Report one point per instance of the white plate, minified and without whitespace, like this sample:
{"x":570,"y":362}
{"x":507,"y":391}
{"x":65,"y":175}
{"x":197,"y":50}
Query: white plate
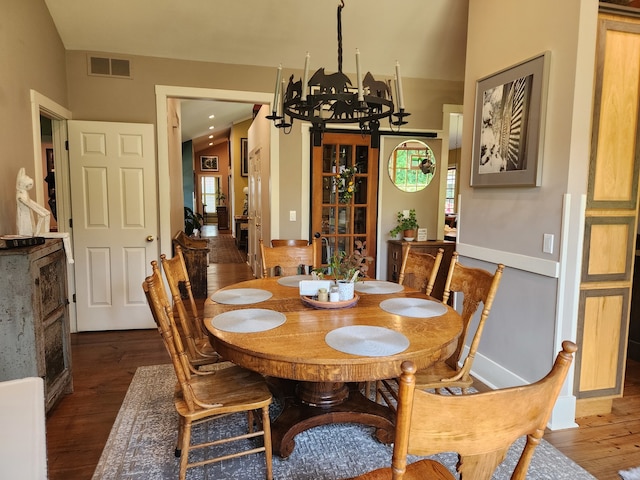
{"x":293,"y":280}
{"x":248,"y":320}
{"x":378,"y":286}
{"x":367,"y":341}
{"x":413,"y":307}
{"x":241,"y":296}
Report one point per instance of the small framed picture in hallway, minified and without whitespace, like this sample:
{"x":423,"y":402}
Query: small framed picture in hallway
{"x":209,"y":163}
{"x":244,"y":158}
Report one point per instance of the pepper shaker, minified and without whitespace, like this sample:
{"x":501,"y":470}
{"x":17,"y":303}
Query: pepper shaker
{"x":323,"y":296}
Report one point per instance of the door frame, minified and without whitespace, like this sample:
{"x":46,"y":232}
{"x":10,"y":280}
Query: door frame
{"x":166,"y":92}
{"x":42,"y":105}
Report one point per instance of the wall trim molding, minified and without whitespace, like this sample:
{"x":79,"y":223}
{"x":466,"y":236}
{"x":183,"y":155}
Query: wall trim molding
{"x":540,"y":266}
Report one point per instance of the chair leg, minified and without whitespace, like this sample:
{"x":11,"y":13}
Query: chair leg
{"x":186,"y":440}
{"x":178,"y":450}
{"x":250,"y":420}
{"x":266,"y":428}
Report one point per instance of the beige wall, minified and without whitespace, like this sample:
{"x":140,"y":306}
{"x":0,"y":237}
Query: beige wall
{"x":31,"y":57}
{"x":526,"y":213}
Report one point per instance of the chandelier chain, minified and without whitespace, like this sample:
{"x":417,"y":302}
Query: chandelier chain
{"x":340,"y":7}
{"x":332,"y":98}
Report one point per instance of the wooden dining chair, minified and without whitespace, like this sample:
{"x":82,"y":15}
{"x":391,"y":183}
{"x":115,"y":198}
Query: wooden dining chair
{"x":199,"y":349}
{"x":210,"y":396}
{"x":476,"y":286}
{"x":419,"y":270}
{"x":287,"y":260}
{"x":480,"y":428}
{"x":280,"y":242}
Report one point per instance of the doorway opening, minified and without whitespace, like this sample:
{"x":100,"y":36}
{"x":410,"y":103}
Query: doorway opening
{"x":166,"y":149}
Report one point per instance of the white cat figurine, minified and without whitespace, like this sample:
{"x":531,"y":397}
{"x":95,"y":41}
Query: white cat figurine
{"x":27,"y":208}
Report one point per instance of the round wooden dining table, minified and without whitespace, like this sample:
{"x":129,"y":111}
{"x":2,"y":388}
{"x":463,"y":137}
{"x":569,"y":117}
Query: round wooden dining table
{"x":318,"y":383}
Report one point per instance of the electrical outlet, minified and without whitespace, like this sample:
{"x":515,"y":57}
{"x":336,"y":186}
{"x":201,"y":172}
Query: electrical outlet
{"x":292,"y":215}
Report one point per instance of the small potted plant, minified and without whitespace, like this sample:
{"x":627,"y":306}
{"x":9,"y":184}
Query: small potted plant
{"x":192,"y":221}
{"x":407,"y":226}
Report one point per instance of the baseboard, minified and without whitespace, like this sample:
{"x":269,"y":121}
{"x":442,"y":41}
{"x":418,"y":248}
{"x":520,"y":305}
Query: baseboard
{"x":585,"y":407}
{"x":496,"y":376}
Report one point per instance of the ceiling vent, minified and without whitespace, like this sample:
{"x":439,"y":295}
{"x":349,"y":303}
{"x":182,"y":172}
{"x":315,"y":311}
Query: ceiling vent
{"x":109,"y":67}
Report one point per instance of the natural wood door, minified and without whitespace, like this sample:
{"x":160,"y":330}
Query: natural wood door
{"x":342,"y":217}
{"x":610,"y":218}
{"x":114,"y":208}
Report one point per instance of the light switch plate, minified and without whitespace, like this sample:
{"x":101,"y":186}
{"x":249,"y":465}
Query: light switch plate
{"x":547,"y":243}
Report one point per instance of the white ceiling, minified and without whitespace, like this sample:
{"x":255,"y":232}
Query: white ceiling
{"x":195,"y":121}
{"x":272,"y":32}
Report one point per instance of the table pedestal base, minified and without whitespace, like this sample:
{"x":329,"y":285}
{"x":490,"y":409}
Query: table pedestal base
{"x":298,"y":415}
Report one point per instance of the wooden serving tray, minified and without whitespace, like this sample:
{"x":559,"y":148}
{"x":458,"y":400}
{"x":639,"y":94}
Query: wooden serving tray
{"x":329,"y":305}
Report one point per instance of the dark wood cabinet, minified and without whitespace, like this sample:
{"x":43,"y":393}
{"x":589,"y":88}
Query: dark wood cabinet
{"x":34,"y":318}
{"x":223,"y":217}
{"x":242,"y":232}
{"x":396,"y":250}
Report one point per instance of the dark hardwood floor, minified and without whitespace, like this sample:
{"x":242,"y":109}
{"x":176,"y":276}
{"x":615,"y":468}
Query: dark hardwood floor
{"x":104,"y":363}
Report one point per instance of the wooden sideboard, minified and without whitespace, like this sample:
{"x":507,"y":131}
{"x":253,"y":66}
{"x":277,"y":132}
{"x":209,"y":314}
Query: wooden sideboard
{"x":396,"y":250}
{"x":223,"y":217}
{"x":242,"y":231}
{"x":34,"y":318}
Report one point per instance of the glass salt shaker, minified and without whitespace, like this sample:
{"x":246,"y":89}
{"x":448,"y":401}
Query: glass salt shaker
{"x":334,"y":296}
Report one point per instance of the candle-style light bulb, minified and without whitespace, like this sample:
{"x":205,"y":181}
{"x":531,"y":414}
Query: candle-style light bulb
{"x":359,"y":77}
{"x":399,"y":87}
{"x":282,"y":98}
{"x":305,"y":77}
{"x":276,"y":94}
{"x":395,"y":84}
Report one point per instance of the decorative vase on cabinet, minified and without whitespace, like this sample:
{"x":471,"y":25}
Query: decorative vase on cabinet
{"x":34,"y":320}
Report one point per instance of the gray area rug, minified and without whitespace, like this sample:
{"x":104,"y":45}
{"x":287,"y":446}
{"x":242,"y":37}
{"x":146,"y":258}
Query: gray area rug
{"x":631,"y":474}
{"x":142,"y":442}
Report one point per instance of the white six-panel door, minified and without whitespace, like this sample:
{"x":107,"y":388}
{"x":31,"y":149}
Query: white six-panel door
{"x":114,"y":212}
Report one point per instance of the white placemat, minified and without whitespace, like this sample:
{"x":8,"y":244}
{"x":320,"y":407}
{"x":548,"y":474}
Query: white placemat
{"x":293,"y":280}
{"x":378,"y":286}
{"x":367,"y":341}
{"x":413,"y":307}
{"x":241,"y":296}
{"x":248,"y":320}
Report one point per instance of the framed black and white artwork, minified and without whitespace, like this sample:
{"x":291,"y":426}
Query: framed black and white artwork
{"x":508,"y":127}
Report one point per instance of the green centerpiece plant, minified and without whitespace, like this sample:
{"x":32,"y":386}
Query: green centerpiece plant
{"x":347,"y":268}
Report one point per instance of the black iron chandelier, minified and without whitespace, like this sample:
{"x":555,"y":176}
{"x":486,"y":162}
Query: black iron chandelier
{"x":333,"y":99}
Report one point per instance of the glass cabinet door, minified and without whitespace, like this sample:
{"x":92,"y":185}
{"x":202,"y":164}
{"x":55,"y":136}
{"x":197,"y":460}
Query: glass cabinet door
{"x":344,"y":195}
